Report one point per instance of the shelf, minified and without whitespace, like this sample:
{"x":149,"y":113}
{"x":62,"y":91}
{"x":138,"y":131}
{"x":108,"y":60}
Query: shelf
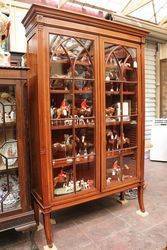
{"x":77,"y":160}
{"x":72,"y":126}
{"x":65,"y":61}
{"x":85,"y":126}
{"x":111,"y":66}
{"x":119,"y":122}
{"x":83,"y":91}
{"x":3,"y":171}
{"x":60,"y":91}
{"x":118,"y":92}
{"x":8,"y":124}
{"x":112,"y":92}
{"x":123,"y":152}
{"x":56,"y":127}
{"x":129,"y":93}
{"x":120,"y":81}
{"x":70,"y":78}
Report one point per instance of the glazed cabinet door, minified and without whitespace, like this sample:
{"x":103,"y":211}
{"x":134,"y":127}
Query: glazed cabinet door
{"x":120,"y":81}
{"x":74,"y":114}
{"x":10,"y":169}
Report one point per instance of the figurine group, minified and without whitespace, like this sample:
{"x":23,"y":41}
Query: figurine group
{"x":64,"y":114}
{"x":114,"y":141}
{"x":64,"y":184}
{"x":117,"y":173}
{"x":65,"y":149}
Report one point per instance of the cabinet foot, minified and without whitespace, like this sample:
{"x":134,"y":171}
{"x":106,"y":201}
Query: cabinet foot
{"x":48,"y":229}
{"x":140,"y":199}
{"x":122,"y":199}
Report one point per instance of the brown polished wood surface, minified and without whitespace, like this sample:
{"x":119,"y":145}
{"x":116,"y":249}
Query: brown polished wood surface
{"x":86,"y":107}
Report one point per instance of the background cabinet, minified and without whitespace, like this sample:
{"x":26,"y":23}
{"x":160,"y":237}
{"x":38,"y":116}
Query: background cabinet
{"x":15,"y":208}
{"x":86,"y":99}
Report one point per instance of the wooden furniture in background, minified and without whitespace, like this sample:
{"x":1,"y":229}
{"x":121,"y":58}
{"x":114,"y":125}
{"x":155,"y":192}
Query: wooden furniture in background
{"x":86,"y":99}
{"x":15,"y":206}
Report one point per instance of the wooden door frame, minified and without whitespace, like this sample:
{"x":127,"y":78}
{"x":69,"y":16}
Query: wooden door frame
{"x":104,"y":39}
{"x":71,"y":33}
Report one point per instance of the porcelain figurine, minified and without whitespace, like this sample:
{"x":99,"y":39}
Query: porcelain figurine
{"x":107,"y":78}
{"x":64,"y":110}
{"x":126,"y":141}
{"x":85,"y":109}
{"x":68,"y":122}
{"x":81,"y":120}
{"x":61,"y":178}
{"x":90,"y":183}
{"x":110,"y":111}
{"x":109,"y":180}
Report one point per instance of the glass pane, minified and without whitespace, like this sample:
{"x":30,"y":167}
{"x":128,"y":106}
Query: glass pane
{"x":85,"y":175}
{"x":121,"y":108}
{"x":63,"y":181}
{"x":129,"y":165}
{"x":113,"y":171}
{"x":72,"y":101}
{"x":9,"y":182}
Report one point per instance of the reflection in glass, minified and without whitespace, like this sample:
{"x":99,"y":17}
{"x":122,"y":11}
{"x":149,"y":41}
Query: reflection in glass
{"x":9,"y":182}
{"x":129,"y":166}
{"x":71,"y":57}
{"x":63,"y":181}
{"x":113,"y":171}
{"x":85,"y":175}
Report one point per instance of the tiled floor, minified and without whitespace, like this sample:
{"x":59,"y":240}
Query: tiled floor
{"x":105,"y":224}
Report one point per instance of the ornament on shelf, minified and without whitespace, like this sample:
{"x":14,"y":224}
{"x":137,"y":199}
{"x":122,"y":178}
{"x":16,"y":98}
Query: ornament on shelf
{"x":126,"y":141}
{"x":109,"y":179}
{"x":85,"y":109}
{"x":107,"y":78}
{"x":68,"y":122}
{"x":116,"y":170}
{"x":81,"y":120}
{"x":62,"y":112}
{"x":110,"y":110}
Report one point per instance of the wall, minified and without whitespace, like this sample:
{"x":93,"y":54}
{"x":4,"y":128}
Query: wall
{"x":17,"y":31}
{"x":150,"y":87}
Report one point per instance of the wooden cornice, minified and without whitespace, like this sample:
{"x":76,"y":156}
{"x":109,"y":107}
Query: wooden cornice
{"x":59,"y":14}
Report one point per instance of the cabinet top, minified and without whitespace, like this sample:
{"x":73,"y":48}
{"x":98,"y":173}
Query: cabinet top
{"x":39,"y":14}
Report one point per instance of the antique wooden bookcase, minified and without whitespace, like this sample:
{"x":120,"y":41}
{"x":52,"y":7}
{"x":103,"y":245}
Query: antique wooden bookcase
{"x":15,"y":205}
{"x":86,"y":99}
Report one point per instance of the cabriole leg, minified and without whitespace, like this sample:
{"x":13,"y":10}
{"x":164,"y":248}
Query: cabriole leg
{"x":48,"y":229}
{"x":140,"y":198}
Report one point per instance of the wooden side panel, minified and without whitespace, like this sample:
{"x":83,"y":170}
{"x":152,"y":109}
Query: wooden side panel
{"x":33,"y":116}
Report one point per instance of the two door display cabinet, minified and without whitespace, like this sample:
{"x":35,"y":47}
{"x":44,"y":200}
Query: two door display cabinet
{"x":15,"y":205}
{"x":86,"y":99}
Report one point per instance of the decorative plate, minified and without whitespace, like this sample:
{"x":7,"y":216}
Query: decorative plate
{"x":9,"y":150}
